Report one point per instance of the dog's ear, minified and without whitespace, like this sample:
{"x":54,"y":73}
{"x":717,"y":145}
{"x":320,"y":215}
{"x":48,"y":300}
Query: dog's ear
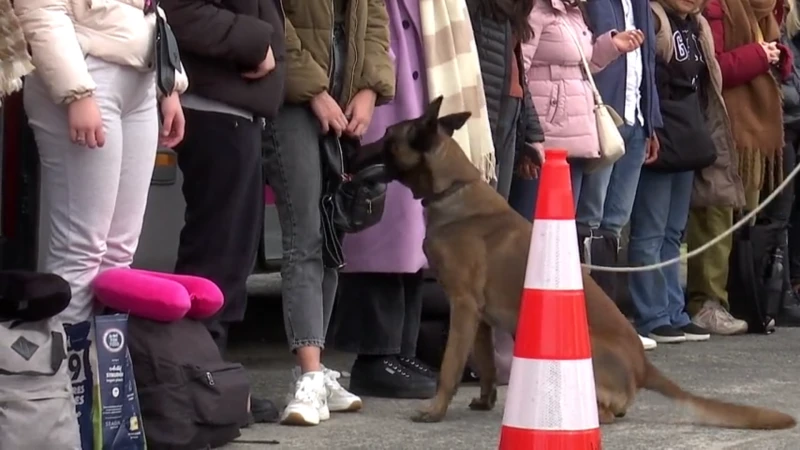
{"x":426,"y":128}
{"x":452,"y":122}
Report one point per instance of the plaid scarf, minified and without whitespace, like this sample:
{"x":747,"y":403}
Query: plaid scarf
{"x":454,"y":72}
{"x":15,"y":61}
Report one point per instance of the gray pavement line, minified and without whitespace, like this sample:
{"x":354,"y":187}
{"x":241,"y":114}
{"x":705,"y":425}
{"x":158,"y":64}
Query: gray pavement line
{"x":708,"y":244}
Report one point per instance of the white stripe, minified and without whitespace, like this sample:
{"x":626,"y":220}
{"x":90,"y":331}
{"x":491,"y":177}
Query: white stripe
{"x":553,"y":261}
{"x":551,"y":395}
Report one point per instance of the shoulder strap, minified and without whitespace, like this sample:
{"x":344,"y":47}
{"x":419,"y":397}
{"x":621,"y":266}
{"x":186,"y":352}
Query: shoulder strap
{"x":586,"y":69}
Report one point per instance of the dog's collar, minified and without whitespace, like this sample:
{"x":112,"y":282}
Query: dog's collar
{"x":439,"y":196}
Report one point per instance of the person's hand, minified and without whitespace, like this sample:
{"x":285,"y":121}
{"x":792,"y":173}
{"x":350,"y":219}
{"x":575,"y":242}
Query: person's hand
{"x":772,"y":51}
{"x":530,"y":161}
{"x":329,"y":113}
{"x":85,"y":123}
{"x":264,"y":68}
{"x":174,"y":123}
{"x":628,"y":41}
{"x":651,"y":147}
{"x":359,"y":110}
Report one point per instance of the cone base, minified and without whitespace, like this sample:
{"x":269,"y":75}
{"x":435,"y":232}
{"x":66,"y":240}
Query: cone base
{"x":512,"y":438}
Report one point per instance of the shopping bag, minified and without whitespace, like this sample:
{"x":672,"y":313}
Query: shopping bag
{"x":106,"y":401}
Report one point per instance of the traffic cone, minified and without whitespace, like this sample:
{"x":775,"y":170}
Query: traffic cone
{"x":551,"y":402}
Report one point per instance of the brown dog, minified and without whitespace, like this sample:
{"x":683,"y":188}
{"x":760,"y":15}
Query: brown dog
{"x":478,"y":247}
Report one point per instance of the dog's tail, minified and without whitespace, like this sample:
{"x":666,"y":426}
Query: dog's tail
{"x":714,"y":412}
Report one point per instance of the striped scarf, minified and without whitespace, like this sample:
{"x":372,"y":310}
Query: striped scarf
{"x":454,"y":72}
{"x":15,"y":61}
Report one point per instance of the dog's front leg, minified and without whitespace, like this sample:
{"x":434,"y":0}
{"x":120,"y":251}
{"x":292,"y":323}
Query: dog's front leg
{"x":463,"y":326}
{"x":483,"y":354}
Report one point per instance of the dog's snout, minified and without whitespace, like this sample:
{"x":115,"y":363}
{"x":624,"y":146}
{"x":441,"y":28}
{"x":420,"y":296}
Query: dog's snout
{"x":367,"y":155}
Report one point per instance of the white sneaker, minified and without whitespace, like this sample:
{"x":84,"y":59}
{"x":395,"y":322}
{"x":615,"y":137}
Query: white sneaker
{"x":339,"y":398}
{"x":309,"y":404}
{"x":648,"y":343}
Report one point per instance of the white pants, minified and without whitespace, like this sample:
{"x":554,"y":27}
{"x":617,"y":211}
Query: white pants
{"x":95,"y":198}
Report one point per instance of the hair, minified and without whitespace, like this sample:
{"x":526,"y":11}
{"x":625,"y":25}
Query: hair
{"x":792,"y":19}
{"x":514,"y":11}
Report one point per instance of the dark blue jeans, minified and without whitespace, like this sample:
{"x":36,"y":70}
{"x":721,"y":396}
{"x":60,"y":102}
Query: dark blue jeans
{"x":523,"y":196}
{"x":658,"y":219}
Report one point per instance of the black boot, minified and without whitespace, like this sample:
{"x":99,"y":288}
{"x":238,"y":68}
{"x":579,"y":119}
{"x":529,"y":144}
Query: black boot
{"x":605,"y":252}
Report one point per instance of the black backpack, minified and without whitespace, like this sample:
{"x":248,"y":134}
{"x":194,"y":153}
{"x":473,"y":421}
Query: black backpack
{"x":191,"y":399}
{"x":756,"y":275}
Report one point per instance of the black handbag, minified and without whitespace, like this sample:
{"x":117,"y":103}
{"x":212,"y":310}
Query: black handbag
{"x":685,"y":139}
{"x":167,"y":56}
{"x":352,"y":201}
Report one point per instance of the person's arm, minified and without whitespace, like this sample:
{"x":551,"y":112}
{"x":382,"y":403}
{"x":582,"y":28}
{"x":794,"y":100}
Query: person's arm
{"x":604,"y":52}
{"x":305,"y":77}
{"x":55,"y":50}
{"x":738,"y":65}
{"x":378,"y":73}
{"x":536,"y":20}
{"x":529,"y":118}
{"x":203,"y":28}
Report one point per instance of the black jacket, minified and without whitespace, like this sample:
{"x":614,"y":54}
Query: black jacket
{"x":791,"y":86}
{"x":494,"y":42}
{"x":220,"y":39}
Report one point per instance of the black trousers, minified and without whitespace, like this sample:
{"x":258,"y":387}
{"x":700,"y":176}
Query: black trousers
{"x":223,"y":186}
{"x":378,"y":313}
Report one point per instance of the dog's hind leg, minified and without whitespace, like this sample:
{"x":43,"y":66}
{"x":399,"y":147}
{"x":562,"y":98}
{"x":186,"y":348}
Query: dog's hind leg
{"x":463,"y":326}
{"x":483,"y":353}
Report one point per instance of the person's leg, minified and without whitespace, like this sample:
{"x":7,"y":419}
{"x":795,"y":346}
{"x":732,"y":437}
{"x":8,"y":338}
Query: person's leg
{"x":505,"y":144}
{"x":780,"y":210}
{"x":79,"y":185}
{"x":139,"y":145}
{"x":680,"y":199}
{"x":223,"y":186}
{"x":708,"y":272}
{"x":624,"y":179}
{"x":294,"y":171}
{"x":371,"y":321}
{"x":648,"y":289}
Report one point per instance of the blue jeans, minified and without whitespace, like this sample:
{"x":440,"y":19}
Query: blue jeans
{"x":658,"y":220}
{"x":606,"y":195}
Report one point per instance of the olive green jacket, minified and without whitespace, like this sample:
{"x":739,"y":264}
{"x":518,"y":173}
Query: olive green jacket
{"x":309,"y":32}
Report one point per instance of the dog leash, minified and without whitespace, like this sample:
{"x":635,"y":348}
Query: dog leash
{"x":742,"y":222}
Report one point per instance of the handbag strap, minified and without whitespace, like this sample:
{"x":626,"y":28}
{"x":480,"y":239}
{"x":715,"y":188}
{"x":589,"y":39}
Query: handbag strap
{"x":598,"y":99}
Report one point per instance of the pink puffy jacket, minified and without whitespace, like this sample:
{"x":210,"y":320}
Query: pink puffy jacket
{"x":562,"y":96}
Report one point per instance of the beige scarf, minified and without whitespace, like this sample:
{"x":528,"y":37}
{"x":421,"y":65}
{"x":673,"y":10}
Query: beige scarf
{"x":454,"y":72}
{"x":754,"y":108}
{"x":15,"y":61}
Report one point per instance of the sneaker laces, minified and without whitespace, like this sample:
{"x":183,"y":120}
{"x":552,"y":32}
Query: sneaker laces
{"x":305,"y":391}
{"x":332,"y":379}
{"x":414,"y":362}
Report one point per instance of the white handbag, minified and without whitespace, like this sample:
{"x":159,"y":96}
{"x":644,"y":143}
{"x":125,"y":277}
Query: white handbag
{"x":612,"y":146}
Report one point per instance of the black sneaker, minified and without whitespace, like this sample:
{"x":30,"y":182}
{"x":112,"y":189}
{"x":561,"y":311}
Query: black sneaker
{"x":386,"y":377}
{"x":695,"y":333}
{"x":789,"y":316}
{"x":667,"y":335}
{"x":417,"y":366}
{"x":262,"y":411}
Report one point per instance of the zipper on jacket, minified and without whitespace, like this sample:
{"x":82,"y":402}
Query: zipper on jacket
{"x":330,"y":47}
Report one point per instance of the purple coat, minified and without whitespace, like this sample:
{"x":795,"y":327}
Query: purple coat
{"x":395,"y":244}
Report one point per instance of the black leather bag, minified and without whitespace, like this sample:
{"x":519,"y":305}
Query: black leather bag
{"x":685,"y":139}
{"x":167,"y":56}
{"x":351,"y":201}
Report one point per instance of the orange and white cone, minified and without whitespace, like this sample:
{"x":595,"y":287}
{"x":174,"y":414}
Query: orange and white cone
{"x":551,"y":403}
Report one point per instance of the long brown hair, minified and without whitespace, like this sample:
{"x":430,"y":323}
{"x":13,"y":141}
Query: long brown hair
{"x":514,"y":11}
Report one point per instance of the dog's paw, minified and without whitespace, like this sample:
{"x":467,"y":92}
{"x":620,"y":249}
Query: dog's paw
{"x":426,"y":416}
{"x":484,"y":402}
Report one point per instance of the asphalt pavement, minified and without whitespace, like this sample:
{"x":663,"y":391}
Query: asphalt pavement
{"x":754,"y":369}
